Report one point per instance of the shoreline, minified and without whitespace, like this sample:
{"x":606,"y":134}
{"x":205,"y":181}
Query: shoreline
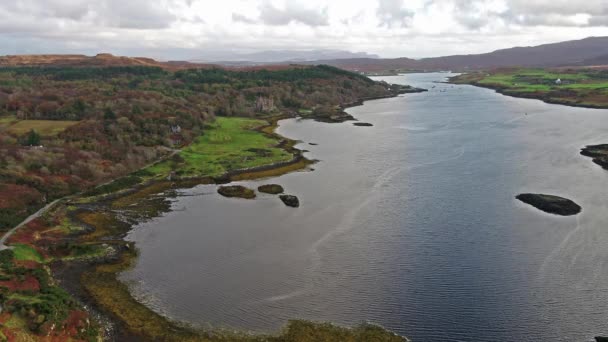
{"x":504,"y":91}
{"x":97,"y":285}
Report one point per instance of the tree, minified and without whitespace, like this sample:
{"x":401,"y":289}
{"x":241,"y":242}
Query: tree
{"x":79,"y":107}
{"x":109,"y":114}
{"x":32,"y":138}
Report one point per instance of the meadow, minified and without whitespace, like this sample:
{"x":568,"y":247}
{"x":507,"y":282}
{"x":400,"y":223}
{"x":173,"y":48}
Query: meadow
{"x":228,"y":144}
{"x":576,"y":87}
{"x":43,"y":127}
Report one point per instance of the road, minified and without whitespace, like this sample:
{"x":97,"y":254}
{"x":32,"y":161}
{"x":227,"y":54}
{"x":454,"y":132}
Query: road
{"x":48,"y":206}
{"x":26,"y":221}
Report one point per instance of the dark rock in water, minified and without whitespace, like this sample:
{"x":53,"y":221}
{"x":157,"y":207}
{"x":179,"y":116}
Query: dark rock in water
{"x":313,"y":144}
{"x":551,"y":204}
{"x":273,"y":189}
{"x":601,"y":339}
{"x":290,"y":200}
{"x":236,"y":191}
{"x":599,"y":153}
{"x":362,"y":124}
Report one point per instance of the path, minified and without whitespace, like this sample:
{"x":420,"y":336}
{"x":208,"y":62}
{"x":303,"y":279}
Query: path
{"x":48,"y":206}
{"x":26,"y":221}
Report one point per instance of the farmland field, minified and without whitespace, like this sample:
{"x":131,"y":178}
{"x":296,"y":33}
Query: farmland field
{"x":43,"y":127}
{"x":576,"y":87}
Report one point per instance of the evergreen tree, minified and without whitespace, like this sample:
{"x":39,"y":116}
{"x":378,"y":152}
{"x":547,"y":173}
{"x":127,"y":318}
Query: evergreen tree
{"x":32,"y":139}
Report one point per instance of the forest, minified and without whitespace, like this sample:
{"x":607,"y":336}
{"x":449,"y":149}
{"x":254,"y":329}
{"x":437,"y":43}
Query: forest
{"x":65,"y":129}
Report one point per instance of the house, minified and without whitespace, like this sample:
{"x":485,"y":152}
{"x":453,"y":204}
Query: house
{"x":176,"y":129}
{"x":264,"y":104}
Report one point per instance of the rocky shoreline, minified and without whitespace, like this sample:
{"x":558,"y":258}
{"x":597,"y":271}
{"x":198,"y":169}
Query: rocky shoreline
{"x":598,"y":153}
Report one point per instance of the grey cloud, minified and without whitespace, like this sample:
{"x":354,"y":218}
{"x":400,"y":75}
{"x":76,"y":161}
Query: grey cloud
{"x":293,"y":12}
{"x":136,"y":14}
{"x":64,"y":9}
{"x":555,"y":12}
{"x":243,"y":19}
{"x":543,"y":19}
{"x":600,"y":20}
{"x":468,"y":14}
{"x":561,"y":7}
{"x":392,"y":13}
{"x":552,"y":13}
{"x":132,"y":14}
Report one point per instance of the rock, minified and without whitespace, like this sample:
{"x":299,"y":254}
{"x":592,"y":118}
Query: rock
{"x":290,"y":200}
{"x":599,"y":153}
{"x":551,"y":204}
{"x":313,"y":144}
{"x":272,"y":189}
{"x":601,"y":339}
{"x":362,"y":124}
{"x":236,"y":191}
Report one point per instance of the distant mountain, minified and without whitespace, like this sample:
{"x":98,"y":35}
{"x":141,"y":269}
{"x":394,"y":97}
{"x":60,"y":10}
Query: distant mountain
{"x":599,"y":60}
{"x":109,"y":60}
{"x":102,"y":59}
{"x":280,"y":56}
{"x":588,"y":51}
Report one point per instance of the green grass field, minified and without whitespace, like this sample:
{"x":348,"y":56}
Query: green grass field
{"x":6,"y":121}
{"x":25,"y":252}
{"x":230,"y":144}
{"x":43,"y":127}
{"x":579,"y":87}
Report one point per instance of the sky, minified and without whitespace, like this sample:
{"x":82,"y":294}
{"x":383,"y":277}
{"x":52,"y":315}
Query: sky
{"x":204,"y":29}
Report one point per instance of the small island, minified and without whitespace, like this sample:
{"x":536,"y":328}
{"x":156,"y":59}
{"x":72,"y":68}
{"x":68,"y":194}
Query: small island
{"x":599,"y":153}
{"x":551,"y":204}
{"x":290,"y":200}
{"x":362,"y":124}
{"x":236,"y":191}
{"x":273,"y":189}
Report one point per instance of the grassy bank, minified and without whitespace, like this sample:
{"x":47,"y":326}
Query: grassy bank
{"x":576,"y":87}
{"x":228,"y":144}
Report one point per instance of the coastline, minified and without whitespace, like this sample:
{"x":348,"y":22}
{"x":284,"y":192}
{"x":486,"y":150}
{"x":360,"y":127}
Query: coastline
{"x":97,"y":285}
{"x":505,"y":91}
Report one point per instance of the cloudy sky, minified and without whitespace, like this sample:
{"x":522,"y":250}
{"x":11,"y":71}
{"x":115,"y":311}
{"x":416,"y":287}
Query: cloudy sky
{"x":187,"y":29}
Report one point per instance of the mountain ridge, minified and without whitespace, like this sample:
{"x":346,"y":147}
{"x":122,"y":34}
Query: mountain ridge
{"x":567,"y":53}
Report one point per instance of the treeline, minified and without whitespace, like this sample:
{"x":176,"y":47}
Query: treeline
{"x":264,"y":76}
{"x":126,"y":117}
{"x":84,"y":73}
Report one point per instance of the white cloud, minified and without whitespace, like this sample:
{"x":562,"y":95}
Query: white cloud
{"x":393,"y":13}
{"x":292,"y":12}
{"x":175,"y":29}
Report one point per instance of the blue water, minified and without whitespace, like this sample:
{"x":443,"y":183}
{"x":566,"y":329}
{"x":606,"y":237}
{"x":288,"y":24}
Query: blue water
{"x":411,"y":224}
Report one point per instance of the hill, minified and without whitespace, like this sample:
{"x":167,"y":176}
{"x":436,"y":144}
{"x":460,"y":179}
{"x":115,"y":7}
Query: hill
{"x":277,"y":56}
{"x":588,"y":51}
{"x":100,"y":60}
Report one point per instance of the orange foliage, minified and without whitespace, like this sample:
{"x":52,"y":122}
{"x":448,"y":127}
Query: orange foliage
{"x":30,"y":283}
